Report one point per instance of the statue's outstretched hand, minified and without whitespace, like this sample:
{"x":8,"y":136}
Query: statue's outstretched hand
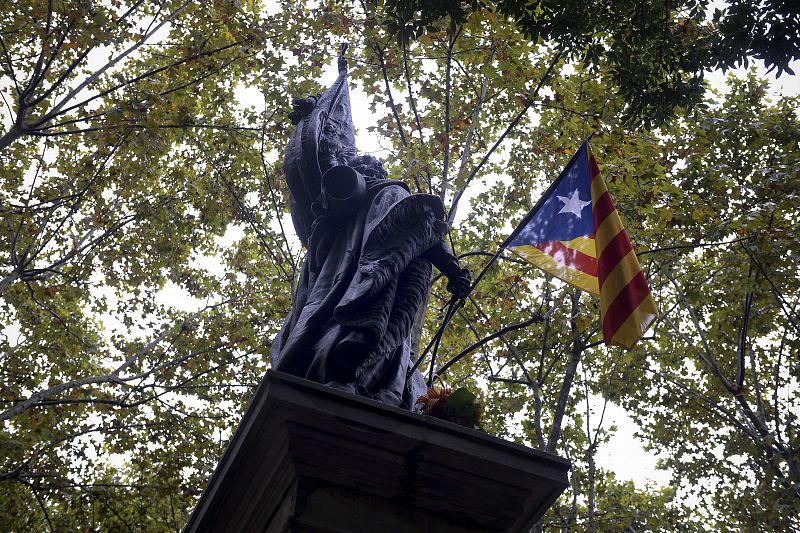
{"x":459,"y":283}
{"x":459,"y":279}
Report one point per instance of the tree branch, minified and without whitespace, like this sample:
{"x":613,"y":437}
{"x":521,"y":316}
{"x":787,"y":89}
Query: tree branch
{"x":517,"y":118}
{"x":465,"y":154}
{"x":110,"y":64}
{"x":488,"y":338}
{"x":379,"y":52}
{"x":112,"y":377}
{"x":569,"y":376}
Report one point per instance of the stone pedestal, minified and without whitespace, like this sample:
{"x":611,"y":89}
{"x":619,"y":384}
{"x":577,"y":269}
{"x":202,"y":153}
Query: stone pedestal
{"x":308,"y":458}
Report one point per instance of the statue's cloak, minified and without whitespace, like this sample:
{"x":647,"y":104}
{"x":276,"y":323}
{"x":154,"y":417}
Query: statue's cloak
{"x":364,"y":276}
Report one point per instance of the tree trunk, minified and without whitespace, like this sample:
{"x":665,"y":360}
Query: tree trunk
{"x":9,"y":279}
{"x":590,"y":525}
{"x":569,"y":376}
{"x":10,"y":136}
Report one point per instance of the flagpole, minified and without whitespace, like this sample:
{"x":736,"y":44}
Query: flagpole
{"x":455,"y":304}
{"x":502,"y":247}
{"x":453,"y":307}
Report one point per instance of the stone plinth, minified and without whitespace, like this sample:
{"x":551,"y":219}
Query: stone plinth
{"x":308,"y":458}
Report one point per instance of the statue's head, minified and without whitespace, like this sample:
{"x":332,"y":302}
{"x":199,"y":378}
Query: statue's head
{"x":370,"y":167}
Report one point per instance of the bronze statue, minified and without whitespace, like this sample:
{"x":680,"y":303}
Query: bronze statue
{"x":370,"y":244}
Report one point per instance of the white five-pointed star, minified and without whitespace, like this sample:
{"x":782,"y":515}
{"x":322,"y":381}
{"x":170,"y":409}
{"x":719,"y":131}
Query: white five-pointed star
{"x":573,"y":204}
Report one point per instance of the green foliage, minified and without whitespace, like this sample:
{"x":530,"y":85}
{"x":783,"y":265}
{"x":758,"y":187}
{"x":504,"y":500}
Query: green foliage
{"x":767,"y":31}
{"x":655,"y":52}
{"x":461,"y":406}
{"x":127,"y":155}
{"x":725,"y":355}
{"x":146,"y":267}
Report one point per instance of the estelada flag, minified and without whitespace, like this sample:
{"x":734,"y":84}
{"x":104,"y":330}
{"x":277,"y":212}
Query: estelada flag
{"x":574,"y":233}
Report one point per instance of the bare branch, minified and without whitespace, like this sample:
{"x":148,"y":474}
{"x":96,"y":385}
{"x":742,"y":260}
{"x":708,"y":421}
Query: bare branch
{"x":451,"y":41}
{"x":412,"y":101}
{"x":707,"y":356}
{"x":58,"y":111}
{"x":513,"y":124}
{"x":488,"y":338}
{"x":379,"y":52}
{"x":451,"y":215}
{"x":35,"y":492}
{"x":274,"y":200}
{"x":474,"y":331}
{"x":569,"y":376}
{"x":247,"y":213}
{"x":694,"y":245}
{"x":742,"y":348}
{"x":113,"y":377}
{"x":110,"y":64}
{"x":40,"y":71}
{"x":10,"y":66}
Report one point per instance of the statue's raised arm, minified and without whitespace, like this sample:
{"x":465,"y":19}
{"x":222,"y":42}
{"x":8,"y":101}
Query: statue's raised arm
{"x":370,"y":244}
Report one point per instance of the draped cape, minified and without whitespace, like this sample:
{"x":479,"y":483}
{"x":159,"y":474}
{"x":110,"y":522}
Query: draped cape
{"x":363,"y":278}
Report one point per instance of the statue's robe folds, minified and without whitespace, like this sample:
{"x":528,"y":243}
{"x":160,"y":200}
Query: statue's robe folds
{"x":363,"y":279}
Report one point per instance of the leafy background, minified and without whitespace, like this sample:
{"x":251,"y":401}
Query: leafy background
{"x":147,"y":261}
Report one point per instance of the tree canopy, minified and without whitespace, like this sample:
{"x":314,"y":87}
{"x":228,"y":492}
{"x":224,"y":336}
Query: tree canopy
{"x":147,"y":261}
{"x":656,"y":52}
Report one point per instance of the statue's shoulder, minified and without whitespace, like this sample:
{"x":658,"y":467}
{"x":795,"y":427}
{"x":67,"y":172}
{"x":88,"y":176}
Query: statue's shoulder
{"x":392,"y":183}
{"x":374,"y":187}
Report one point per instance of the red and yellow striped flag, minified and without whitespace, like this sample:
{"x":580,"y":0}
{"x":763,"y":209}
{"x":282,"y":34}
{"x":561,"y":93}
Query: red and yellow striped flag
{"x":575,"y":234}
